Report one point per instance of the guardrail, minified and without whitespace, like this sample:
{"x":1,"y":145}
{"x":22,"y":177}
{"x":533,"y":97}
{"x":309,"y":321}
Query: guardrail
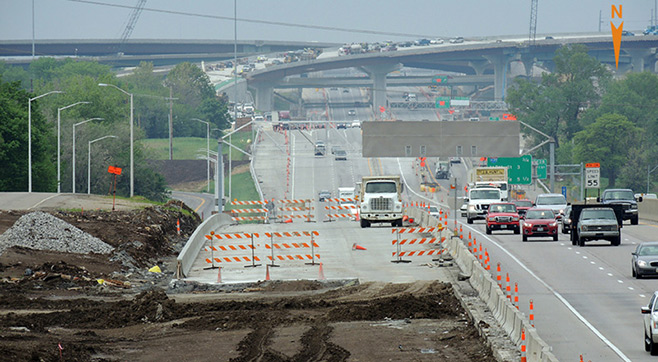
{"x":510,"y":319}
{"x":197,"y":240}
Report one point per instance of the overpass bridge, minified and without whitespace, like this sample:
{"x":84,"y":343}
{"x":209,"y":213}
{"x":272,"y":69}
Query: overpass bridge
{"x":476,"y":58}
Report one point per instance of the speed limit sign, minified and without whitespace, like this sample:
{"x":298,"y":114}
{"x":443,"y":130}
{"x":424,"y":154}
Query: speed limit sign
{"x":592,"y":176}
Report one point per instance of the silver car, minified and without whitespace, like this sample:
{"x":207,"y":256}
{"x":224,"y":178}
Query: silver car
{"x":555,"y":202}
{"x":598,"y":223}
{"x":650,"y":314}
{"x":644,"y":260}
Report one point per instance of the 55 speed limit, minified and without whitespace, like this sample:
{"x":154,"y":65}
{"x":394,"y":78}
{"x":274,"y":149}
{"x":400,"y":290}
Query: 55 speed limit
{"x":592,"y":176}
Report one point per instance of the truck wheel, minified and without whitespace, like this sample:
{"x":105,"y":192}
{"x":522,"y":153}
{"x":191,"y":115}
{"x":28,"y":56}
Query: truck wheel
{"x":488,"y":230}
{"x":573,"y":238}
{"x":517,"y":230}
{"x":399,"y":222}
{"x":555,"y":237}
{"x":581,"y":242}
{"x":647,"y":346}
{"x":365,"y":223}
{"x":469,"y":220}
{"x":653,"y":347}
{"x":635,"y":220}
{"x":616,"y":241}
{"x":525,"y":238}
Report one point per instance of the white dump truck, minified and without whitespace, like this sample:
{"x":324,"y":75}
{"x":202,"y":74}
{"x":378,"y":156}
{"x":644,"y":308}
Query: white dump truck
{"x":380,"y":200}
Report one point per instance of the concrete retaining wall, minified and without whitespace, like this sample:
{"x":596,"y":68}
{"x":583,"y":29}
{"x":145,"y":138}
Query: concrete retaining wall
{"x":195,"y":243}
{"x":510,"y":318}
{"x":648,"y":209}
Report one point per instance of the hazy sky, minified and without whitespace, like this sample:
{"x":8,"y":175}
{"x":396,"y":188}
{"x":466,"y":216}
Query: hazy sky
{"x":66,"y":19}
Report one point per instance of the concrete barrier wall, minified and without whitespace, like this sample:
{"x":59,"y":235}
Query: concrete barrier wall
{"x":195,"y":242}
{"x":648,"y":209}
{"x":511,"y":319}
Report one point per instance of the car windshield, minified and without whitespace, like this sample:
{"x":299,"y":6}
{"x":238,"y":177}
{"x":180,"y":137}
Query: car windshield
{"x":648,"y":250}
{"x":383,"y":187}
{"x":341,"y":153}
{"x":540,"y":214}
{"x":523,"y":203}
{"x":551,"y":200}
{"x":485,"y":194}
{"x":434,"y":209}
{"x":597,"y":214}
{"x":619,"y":195}
{"x":502,"y":208}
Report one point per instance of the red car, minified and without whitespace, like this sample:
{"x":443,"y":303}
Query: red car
{"x":502,"y":216}
{"x":522,"y":206}
{"x":539,"y":222}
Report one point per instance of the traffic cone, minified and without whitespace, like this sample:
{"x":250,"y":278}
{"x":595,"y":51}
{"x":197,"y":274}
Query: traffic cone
{"x":321,"y":274}
{"x":358,"y":217}
{"x":356,"y":246}
{"x":267,"y":272}
{"x":288,"y":221}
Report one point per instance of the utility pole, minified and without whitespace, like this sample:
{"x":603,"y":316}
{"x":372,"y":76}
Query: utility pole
{"x":171,"y":123}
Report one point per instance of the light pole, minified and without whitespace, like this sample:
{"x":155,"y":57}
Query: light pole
{"x":29,"y":138}
{"x":648,"y":175}
{"x":89,"y":161}
{"x":207,"y":149}
{"x":73,"y":167}
{"x":59,"y":136}
{"x":132,"y":153}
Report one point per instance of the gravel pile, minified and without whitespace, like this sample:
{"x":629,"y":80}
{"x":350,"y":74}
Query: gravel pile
{"x":42,"y":231}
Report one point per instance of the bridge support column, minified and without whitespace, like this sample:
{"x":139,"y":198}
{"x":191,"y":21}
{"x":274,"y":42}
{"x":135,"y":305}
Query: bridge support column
{"x":640,"y":58}
{"x":264,"y":96}
{"x":479,"y":66}
{"x":378,"y":74}
{"x":500,"y":63}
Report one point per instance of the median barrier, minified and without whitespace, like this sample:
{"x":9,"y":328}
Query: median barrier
{"x":648,"y":209}
{"x":194,"y":244}
{"x":508,"y":317}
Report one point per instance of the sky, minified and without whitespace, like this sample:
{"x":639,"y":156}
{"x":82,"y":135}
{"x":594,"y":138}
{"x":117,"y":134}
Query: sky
{"x":342,"y":21}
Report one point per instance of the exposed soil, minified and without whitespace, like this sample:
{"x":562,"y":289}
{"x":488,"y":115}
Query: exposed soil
{"x":59,"y":302}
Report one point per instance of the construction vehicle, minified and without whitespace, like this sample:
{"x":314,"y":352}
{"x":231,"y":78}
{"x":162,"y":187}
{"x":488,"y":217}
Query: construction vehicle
{"x":380,"y":200}
{"x":490,"y":177}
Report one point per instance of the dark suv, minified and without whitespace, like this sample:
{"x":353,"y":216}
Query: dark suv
{"x":624,"y":197}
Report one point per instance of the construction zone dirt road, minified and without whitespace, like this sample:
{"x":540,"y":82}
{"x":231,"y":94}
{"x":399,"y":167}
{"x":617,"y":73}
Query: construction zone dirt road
{"x":67,"y":306}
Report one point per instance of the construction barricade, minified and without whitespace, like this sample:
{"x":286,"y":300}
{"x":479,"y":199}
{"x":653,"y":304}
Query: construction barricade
{"x":345,"y":208}
{"x":248,"y":211}
{"x":426,"y":237}
{"x":289,"y":210}
{"x":233,"y":248}
{"x":291,"y":251}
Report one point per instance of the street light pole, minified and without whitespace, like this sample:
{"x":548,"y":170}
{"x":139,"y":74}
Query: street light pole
{"x":132,"y":153}
{"x":89,"y":162}
{"x":73,"y":171}
{"x":59,"y":136}
{"x":207,"y":150}
{"x":29,"y":137}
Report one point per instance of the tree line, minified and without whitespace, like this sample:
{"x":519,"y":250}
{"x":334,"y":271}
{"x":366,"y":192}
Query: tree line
{"x":593,"y":116}
{"x":194,"y":97}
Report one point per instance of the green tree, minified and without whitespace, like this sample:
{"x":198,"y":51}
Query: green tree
{"x":555,"y":105}
{"x":14,"y":143}
{"x":608,"y":141}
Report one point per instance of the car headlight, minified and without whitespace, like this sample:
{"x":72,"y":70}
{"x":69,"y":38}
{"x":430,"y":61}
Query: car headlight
{"x":553,"y":224}
{"x":561,"y":211}
{"x":515,"y":218}
{"x":471,"y":207}
{"x":642,"y":263}
{"x":527,"y":225}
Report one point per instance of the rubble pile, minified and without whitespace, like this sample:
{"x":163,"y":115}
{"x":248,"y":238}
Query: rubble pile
{"x":42,"y":231}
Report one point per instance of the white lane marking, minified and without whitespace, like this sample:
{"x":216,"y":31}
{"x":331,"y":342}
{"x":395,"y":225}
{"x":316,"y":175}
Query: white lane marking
{"x":642,"y":296}
{"x":569,"y":248}
{"x":558,"y":296}
{"x":620,"y":281}
{"x":631,"y":288}
{"x":609,"y":274}
{"x":561,"y":244}
{"x":42,"y":201}
{"x":578,"y":252}
{"x":584,"y":256}
{"x":591,"y":262}
{"x":600,"y":268}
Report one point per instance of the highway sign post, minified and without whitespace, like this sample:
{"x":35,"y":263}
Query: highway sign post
{"x":564,"y":192}
{"x":519,"y":169}
{"x":592,"y":175}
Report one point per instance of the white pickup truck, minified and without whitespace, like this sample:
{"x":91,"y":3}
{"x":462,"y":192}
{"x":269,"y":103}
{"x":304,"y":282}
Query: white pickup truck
{"x":478,"y":202}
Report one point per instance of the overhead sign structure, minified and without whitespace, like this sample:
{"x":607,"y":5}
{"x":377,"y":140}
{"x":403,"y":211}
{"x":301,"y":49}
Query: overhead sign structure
{"x":592,"y":175}
{"x":442,"y":102}
{"x":440,"y":139}
{"x":519,"y":169}
{"x":440,"y":79}
{"x":460,"y":101}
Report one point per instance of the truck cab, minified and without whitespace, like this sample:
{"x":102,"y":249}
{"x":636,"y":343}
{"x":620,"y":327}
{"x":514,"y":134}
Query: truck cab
{"x":478,"y":202}
{"x":381,"y":200}
{"x":626,"y":199}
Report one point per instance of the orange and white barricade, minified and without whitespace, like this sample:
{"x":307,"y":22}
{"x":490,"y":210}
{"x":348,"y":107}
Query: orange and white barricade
{"x":233,"y":248}
{"x":249,"y":211}
{"x":413,"y":241}
{"x":289,"y":210}
{"x":344,"y":208}
{"x":292,"y":250}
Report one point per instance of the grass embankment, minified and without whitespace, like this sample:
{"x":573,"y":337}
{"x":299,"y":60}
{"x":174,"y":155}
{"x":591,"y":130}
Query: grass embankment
{"x":191,"y":148}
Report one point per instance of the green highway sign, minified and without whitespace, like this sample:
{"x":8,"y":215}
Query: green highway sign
{"x":442,"y":102}
{"x":440,"y":79}
{"x":494,"y":118}
{"x":541,"y":168}
{"x":519,"y":169}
